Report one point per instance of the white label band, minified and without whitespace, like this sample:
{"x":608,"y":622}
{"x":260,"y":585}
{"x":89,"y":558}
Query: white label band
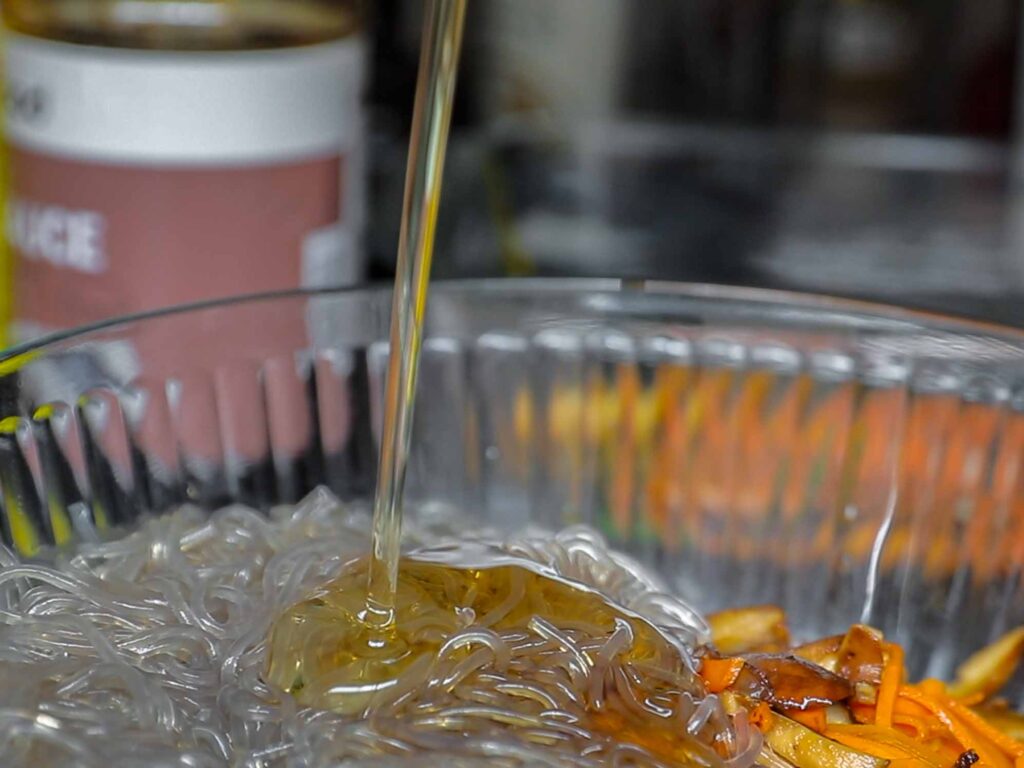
{"x":183,"y":108}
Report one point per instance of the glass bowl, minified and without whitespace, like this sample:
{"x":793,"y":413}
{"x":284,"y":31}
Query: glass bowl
{"x":849,"y":462}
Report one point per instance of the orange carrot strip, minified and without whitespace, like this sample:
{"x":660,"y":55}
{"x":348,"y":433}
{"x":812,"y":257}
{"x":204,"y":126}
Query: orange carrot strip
{"x":977,"y":723}
{"x":948,"y":749}
{"x":905,"y":706}
{"x":932,"y":687}
{"x":888,"y":690}
{"x":761,"y":717}
{"x":814,"y":718}
{"x":919,"y":726}
{"x":719,"y":674}
{"x":972,"y":700}
{"x":863,"y":713}
{"x":990,"y":753}
{"x":886,"y":743}
{"x":868,"y":743}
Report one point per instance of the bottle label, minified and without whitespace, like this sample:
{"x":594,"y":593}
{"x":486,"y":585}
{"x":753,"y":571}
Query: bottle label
{"x":142,"y":179}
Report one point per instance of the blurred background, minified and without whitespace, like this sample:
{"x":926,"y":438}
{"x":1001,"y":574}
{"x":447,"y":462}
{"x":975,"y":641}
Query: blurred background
{"x":855,"y":147}
{"x":865,"y":148}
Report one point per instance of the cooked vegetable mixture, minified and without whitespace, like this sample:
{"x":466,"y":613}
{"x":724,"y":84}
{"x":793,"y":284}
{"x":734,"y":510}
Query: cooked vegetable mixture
{"x":845,"y":701}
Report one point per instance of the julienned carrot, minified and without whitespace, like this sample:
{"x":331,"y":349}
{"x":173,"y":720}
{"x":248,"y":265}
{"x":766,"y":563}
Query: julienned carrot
{"x":977,"y":723}
{"x":932,"y":687}
{"x":761,"y":717}
{"x":888,"y":690}
{"x":814,"y":718}
{"x":719,"y":674}
{"x":886,"y":743}
{"x":920,"y":726}
{"x":990,"y":753}
{"x":917,"y":721}
{"x":973,"y":700}
{"x":863,"y":713}
{"x":905,"y":706}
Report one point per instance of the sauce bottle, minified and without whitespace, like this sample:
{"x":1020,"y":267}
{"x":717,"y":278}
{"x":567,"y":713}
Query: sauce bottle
{"x":170,"y":151}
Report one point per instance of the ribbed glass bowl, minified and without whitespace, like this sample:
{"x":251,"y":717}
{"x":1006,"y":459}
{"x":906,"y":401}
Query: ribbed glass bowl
{"x":846,"y":461}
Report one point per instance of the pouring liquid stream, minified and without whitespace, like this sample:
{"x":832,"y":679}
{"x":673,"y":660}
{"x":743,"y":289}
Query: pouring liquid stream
{"x":364,"y":650}
{"x":372,"y":634}
{"x":435,"y":94}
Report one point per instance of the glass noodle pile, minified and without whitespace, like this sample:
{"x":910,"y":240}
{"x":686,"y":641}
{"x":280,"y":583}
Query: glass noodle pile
{"x":150,"y":651}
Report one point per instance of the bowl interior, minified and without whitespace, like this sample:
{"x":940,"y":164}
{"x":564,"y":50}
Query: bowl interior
{"x":848,"y":462}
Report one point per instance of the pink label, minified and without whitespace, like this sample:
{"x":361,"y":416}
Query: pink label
{"x":94,"y":240}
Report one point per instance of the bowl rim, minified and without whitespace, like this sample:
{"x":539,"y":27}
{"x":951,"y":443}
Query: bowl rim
{"x":509,"y":286}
